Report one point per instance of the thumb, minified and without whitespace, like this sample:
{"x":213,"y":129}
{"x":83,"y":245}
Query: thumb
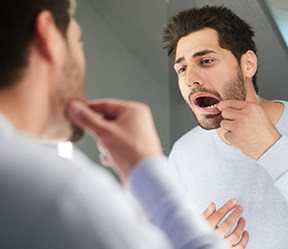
{"x":81,"y":115}
{"x":209,"y":211}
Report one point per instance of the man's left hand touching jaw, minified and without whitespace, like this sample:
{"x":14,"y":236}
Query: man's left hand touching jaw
{"x":247,"y":127}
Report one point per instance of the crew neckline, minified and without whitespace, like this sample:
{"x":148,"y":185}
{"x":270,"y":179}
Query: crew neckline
{"x":6,"y":127}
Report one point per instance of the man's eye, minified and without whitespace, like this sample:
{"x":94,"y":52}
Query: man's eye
{"x":181,"y":70}
{"x":206,"y":62}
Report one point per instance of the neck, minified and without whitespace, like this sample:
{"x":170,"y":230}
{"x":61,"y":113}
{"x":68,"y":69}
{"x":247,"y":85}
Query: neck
{"x":273,"y":110}
{"x":25,"y":105}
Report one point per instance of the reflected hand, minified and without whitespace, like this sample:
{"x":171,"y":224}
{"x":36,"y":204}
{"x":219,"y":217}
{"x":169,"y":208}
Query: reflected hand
{"x":124,"y":129}
{"x":236,"y":238}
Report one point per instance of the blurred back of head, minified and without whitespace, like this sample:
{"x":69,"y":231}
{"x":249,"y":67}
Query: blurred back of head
{"x":17,"y":22}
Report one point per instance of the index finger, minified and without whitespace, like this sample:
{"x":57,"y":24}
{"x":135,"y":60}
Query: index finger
{"x":233,"y":103}
{"x":81,"y":115}
{"x":110,"y":108}
{"x":219,"y":214}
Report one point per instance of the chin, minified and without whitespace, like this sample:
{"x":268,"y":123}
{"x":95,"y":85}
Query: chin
{"x":76,"y":134}
{"x":71,"y":133}
{"x":206,"y":126}
{"x":210,"y":122}
{"x":63,"y":133}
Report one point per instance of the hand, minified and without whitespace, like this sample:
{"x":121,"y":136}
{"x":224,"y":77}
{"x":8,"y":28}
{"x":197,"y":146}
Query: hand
{"x":237,"y":238}
{"x":124,"y":129}
{"x":247,"y":127}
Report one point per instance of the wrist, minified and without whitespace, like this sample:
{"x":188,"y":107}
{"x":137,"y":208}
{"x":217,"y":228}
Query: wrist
{"x":140,"y":157}
{"x":274,"y":137}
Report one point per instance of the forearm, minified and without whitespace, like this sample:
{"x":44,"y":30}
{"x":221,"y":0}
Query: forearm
{"x":275,"y":162}
{"x":165,"y":208}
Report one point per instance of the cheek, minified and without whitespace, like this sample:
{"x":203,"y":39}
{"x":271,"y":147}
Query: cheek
{"x":81,"y":58}
{"x":184,"y":89}
{"x":217,"y":81}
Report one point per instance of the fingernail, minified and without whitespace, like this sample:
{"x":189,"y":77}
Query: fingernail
{"x":234,"y":202}
{"x":210,"y":206}
{"x":75,"y":107}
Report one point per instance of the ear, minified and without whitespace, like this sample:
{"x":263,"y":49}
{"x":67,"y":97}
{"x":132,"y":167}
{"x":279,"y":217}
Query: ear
{"x":249,"y":64}
{"x":48,"y":38}
{"x":249,"y":67}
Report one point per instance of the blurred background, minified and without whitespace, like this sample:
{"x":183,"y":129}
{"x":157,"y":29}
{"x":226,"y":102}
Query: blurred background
{"x":125,"y":59}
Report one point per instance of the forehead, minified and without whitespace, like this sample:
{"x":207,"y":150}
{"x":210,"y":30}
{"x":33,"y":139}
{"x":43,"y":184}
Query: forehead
{"x":205,"y":39}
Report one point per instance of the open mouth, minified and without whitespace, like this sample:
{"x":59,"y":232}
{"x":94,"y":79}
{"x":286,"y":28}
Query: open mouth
{"x":206,"y":102}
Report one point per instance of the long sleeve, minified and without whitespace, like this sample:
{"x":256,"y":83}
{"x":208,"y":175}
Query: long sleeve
{"x":165,"y":207}
{"x":51,"y":202}
{"x":275,"y":161}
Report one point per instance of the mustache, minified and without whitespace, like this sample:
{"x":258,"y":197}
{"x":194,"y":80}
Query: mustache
{"x":204,"y":90}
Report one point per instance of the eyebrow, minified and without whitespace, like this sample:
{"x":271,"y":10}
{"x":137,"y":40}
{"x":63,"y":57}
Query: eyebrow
{"x":198,"y":54}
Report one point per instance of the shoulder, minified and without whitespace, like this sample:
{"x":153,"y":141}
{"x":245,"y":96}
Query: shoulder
{"x":38,"y":187}
{"x":281,"y":125}
{"x":285,"y":104}
{"x":34,"y":165}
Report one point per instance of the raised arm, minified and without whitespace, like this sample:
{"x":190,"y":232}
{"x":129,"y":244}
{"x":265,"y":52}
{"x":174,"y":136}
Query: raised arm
{"x":127,"y":133}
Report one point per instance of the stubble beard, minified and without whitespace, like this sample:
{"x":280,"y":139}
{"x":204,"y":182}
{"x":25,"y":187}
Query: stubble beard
{"x":234,"y":89}
{"x":74,"y":90}
{"x":76,"y":133}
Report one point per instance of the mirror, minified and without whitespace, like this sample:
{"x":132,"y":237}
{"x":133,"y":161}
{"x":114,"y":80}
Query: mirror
{"x":125,"y":59}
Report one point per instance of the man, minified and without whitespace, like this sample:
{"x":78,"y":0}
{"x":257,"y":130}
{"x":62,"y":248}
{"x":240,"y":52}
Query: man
{"x":239,"y":149}
{"x":51,"y":202}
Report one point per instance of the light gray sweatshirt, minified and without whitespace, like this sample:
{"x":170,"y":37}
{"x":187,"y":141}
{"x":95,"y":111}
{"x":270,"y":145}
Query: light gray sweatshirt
{"x":209,"y":170}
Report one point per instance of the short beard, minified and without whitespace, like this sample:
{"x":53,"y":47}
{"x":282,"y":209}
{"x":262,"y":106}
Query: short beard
{"x":234,"y":89}
{"x":73,"y":91}
{"x":77,"y":134}
{"x":212,"y":121}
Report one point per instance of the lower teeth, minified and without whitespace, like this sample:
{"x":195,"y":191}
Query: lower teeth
{"x":211,"y":106}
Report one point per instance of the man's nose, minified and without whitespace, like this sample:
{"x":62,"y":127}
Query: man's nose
{"x":193,"y":78}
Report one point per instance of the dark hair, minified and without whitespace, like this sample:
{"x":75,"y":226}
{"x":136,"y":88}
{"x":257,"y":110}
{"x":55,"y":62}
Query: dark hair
{"x":17,"y":23}
{"x":234,"y":33}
